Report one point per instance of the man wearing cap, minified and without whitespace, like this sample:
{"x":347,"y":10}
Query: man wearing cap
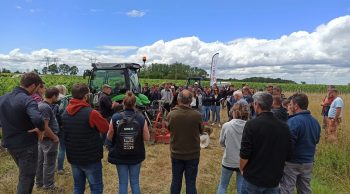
{"x":106,"y":105}
{"x":105,"y":102}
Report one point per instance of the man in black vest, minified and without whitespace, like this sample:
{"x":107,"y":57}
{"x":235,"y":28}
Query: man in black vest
{"x":82,"y":127}
{"x":19,"y":117}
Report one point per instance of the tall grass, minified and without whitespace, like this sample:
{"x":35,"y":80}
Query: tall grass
{"x":331,"y":172}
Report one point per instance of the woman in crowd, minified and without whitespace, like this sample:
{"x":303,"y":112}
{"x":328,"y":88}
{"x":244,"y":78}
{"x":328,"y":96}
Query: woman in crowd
{"x":207,"y":100}
{"x":38,"y":96}
{"x":195,"y":102}
{"x":127,"y":131}
{"x":230,"y":139}
{"x":62,"y":105}
{"x":217,"y":97}
{"x":200,"y":100}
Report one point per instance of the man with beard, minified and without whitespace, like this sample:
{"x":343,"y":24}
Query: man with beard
{"x":82,"y":127}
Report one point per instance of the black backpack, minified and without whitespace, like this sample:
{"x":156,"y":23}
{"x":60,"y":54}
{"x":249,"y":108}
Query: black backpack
{"x":128,"y":135}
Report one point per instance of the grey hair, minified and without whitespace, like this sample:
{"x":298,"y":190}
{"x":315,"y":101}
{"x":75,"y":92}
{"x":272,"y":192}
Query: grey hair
{"x":238,"y":93}
{"x":264,"y":100}
{"x":183,"y":98}
{"x":62,"y":89}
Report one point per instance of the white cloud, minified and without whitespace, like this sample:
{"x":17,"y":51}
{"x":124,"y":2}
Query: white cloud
{"x":18,"y":7}
{"x":34,"y":10}
{"x":95,"y":10}
{"x":136,"y":13}
{"x":118,"y":49}
{"x":321,"y":56}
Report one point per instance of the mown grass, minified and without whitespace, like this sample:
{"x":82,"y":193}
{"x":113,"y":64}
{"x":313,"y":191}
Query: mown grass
{"x":331,"y":170}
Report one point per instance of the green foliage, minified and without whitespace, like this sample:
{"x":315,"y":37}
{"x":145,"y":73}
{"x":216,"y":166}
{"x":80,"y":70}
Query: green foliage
{"x":73,"y":70}
{"x":4,"y":70}
{"x":9,"y":81}
{"x":267,"y":80}
{"x":64,"y":69}
{"x":173,"y":71}
{"x":44,"y":70}
{"x":53,"y":69}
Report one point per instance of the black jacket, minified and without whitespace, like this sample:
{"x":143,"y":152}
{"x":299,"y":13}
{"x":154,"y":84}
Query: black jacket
{"x":19,"y":113}
{"x":207,"y":99}
{"x":217,"y":99}
{"x":280,"y":113}
{"x":105,"y":105}
{"x":266,"y":144}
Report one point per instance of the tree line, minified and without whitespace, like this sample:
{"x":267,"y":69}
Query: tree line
{"x":262,"y":80}
{"x":53,"y":69}
{"x":176,"y":71}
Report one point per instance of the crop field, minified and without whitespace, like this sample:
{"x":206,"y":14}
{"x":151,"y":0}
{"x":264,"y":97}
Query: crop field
{"x":331,"y":172}
{"x":9,"y":81}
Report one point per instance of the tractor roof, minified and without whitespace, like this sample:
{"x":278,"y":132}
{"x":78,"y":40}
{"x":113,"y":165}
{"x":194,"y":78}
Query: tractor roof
{"x":195,"y":78}
{"x":116,"y":66}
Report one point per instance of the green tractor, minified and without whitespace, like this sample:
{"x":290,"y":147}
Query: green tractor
{"x":121,"y":77}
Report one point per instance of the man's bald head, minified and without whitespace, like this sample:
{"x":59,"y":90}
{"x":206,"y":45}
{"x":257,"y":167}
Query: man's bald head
{"x":184,"y":97}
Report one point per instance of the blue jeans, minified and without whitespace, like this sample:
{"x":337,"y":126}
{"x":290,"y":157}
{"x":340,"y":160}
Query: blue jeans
{"x":206,"y":112}
{"x":61,"y":153}
{"x":124,"y":171}
{"x":225,"y":180}
{"x":91,"y":172}
{"x":190,"y":167}
{"x":248,"y":188}
{"x":216,"y":114}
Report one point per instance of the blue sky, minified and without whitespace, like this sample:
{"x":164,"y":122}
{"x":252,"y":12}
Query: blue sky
{"x":35,"y":24}
{"x":301,"y":40}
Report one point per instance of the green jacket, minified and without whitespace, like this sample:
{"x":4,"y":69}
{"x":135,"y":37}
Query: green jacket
{"x":185,"y":125}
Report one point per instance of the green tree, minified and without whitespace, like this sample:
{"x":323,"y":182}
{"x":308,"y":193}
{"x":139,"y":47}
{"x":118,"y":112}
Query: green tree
{"x":64,"y":69}
{"x":36,"y":71}
{"x":73,"y":70}
{"x":44,"y":70}
{"x":4,"y":70}
{"x":53,"y":69}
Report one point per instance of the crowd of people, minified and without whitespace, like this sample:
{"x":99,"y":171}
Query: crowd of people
{"x":269,"y":140}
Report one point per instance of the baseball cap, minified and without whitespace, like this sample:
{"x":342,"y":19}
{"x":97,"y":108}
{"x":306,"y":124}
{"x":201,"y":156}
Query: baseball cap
{"x":106,"y":86}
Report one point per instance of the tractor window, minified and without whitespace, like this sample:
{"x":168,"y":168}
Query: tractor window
{"x":98,"y":80}
{"x":134,"y":81}
{"x":116,"y":79}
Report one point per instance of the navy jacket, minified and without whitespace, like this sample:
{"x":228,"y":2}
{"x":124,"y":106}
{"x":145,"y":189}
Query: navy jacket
{"x":305,"y":131}
{"x":207,"y":99}
{"x":19,"y":113}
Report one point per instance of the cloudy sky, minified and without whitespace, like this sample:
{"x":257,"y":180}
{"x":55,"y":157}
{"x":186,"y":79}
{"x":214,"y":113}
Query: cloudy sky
{"x":292,"y":39}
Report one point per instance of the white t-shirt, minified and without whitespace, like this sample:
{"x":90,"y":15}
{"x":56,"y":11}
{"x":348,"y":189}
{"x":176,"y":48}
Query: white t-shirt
{"x":337,"y":103}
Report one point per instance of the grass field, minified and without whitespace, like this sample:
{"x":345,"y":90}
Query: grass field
{"x":331,"y":173}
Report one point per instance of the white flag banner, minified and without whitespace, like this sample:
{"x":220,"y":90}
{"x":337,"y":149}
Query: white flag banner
{"x":214,"y":61}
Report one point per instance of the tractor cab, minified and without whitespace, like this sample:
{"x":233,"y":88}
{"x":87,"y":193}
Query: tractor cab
{"x":192,"y":80}
{"x":121,"y":77}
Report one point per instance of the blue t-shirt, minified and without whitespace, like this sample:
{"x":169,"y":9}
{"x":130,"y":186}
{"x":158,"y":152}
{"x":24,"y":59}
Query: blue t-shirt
{"x":47,"y":113}
{"x":337,"y":103}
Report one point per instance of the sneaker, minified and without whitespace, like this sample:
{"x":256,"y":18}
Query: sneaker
{"x":53,"y":189}
{"x":212,"y":124}
{"x":60,"y":172}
